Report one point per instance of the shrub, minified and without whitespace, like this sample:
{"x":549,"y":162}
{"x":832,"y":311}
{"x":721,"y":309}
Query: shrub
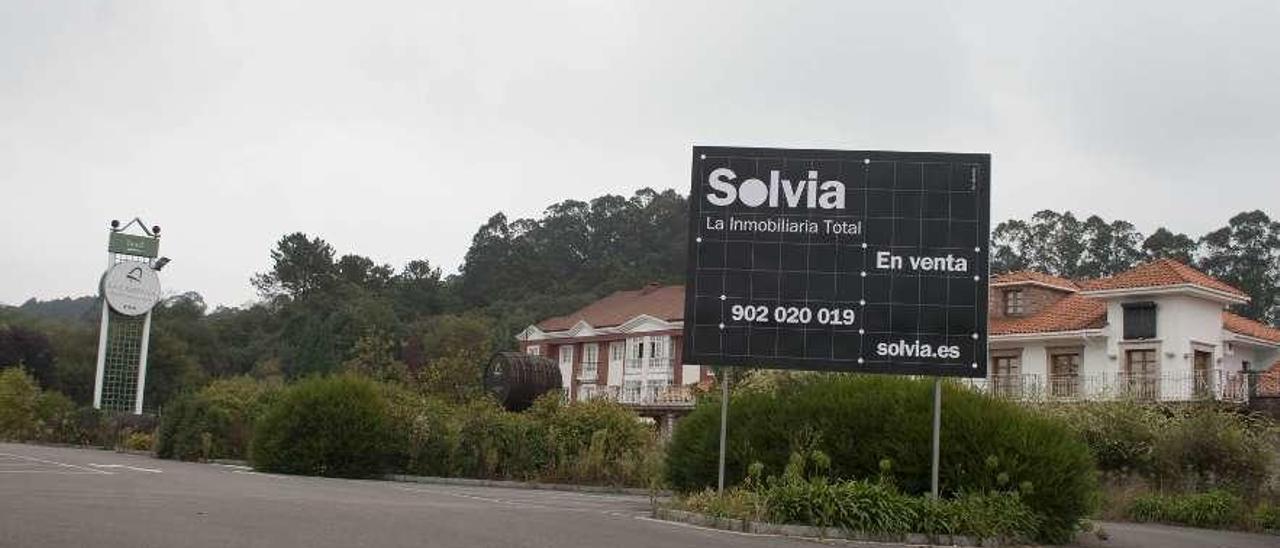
{"x":215,"y":422}
{"x":859,"y":421}
{"x":187,"y":430}
{"x":19,"y":399}
{"x":1214,"y":509}
{"x":1121,"y":434}
{"x":238,"y":401}
{"x":428,"y":426}
{"x":56,"y":418}
{"x":1209,"y":448}
{"x":1266,"y":517}
{"x":496,"y":444}
{"x":140,"y":441}
{"x":326,"y":426}
{"x":865,"y":506}
{"x":596,"y":441}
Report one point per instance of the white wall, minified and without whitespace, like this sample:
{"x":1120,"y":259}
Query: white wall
{"x":690,"y":374}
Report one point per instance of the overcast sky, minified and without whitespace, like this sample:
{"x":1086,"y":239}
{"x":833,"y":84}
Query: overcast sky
{"x":394,"y":130}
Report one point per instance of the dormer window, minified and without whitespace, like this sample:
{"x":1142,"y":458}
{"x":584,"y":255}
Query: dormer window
{"x":1139,"y":320}
{"x":1013,"y":302}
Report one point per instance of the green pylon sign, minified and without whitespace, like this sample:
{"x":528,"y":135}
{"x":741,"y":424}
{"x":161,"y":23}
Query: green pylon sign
{"x":130,"y":288}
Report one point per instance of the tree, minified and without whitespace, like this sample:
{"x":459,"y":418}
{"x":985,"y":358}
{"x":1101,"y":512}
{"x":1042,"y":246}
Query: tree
{"x":456,"y":349}
{"x":1246,"y":254}
{"x":1164,"y":244}
{"x":419,"y":291}
{"x":1059,"y":244}
{"x":19,"y":397}
{"x":300,"y":266}
{"x":28,"y":348}
{"x":1111,"y":248}
{"x":578,"y":248}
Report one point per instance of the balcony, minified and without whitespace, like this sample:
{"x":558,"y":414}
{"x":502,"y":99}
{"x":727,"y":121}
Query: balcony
{"x":650,"y":368}
{"x":1230,"y":386}
{"x":679,"y":396}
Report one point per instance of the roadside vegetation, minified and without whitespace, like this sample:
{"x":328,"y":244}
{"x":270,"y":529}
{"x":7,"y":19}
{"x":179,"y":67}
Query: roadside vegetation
{"x":1203,"y":465}
{"x":873,"y":427}
{"x":30,"y":413}
{"x":806,"y":494}
{"x":341,"y":348}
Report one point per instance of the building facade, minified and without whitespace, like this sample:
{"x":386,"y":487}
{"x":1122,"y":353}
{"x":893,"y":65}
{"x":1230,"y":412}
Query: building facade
{"x":626,"y":346}
{"x":1158,"y":332}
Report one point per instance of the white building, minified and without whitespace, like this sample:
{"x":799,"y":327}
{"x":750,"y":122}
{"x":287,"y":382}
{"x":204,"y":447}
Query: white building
{"x":1160,"y":331}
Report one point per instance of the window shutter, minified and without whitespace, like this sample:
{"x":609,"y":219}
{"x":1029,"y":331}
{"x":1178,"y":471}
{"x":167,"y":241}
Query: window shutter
{"x":1139,"y":320}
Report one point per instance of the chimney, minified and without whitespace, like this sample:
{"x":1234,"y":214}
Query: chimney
{"x":649,"y":288}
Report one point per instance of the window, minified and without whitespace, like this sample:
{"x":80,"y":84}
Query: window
{"x":590,"y":362}
{"x":1141,"y":369}
{"x":1202,"y":363}
{"x":1139,"y":320}
{"x":566,"y":357}
{"x":1013,"y":305}
{"x":1064,"y":373}
{"x":1006,"y":374}
{"x":533,"y":350}
{"x":617,"y":350}
{"x":635,"y":355}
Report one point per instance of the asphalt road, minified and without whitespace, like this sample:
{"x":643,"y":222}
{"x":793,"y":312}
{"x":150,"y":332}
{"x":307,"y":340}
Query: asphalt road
{"x":54,"y":497}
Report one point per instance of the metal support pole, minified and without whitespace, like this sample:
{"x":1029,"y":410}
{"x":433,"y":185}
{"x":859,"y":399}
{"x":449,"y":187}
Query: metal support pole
{"x":142,"y":365}
{"x":724,"y":424}
{"x":937,"y":433}
{"x":101,"y":366}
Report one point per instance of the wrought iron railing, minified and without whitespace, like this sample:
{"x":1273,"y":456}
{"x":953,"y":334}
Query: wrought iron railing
{"x":1213,"y":384}
{"x":650,"y":367}
{"x":640,"y":395}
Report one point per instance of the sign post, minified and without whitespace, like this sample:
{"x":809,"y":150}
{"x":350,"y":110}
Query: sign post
{"x":724,"y":425}
{"x":937,"y":436}
{"x":130,"y":288}
{"x":849,"y":261}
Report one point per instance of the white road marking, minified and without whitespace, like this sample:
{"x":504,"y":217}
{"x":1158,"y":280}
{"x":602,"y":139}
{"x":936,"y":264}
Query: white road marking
{"x":55,"y":463}
{"x":126,"y":467}
{"x":522,"y":503}
{"x":53,"y":472}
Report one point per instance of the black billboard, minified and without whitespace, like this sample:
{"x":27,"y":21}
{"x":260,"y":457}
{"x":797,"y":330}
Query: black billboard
{"x":859,"y":261}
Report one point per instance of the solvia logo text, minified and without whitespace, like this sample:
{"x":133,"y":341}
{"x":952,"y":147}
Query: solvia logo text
{"x":777,"y":192}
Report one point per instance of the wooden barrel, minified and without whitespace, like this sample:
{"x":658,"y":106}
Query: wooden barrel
{"x":517,"y":379}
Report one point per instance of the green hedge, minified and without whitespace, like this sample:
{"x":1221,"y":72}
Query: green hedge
{"x":215,"y":422}
{"x":860,"y":421}
{"x":596,"y":442}
{"x":327,"y":426}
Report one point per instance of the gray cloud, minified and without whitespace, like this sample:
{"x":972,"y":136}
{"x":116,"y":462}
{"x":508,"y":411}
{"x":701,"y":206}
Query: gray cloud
{"x":395,"y":130}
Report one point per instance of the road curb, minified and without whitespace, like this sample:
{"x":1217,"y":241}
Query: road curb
{"x":531,"y":485}
{"x":806,"y":531}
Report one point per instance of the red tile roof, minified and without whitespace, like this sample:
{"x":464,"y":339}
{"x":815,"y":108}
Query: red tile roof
{"x":663,"y":302}
{"x":1159,"y":273}
{"x":1071,"y":313}
{"x":1031,"y":276}
{"x":1244,"y":326}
